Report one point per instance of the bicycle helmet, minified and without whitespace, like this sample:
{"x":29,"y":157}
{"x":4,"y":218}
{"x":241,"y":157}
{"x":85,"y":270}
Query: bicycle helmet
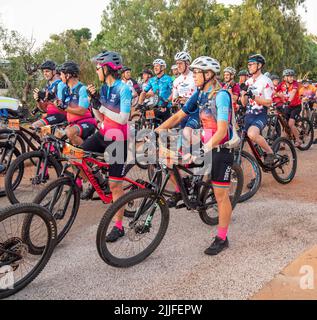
{"x":257,"y":58}
{"x":243,"y":73}
{"x":230,"y":70}
{"x":275,"y":77}
{"x":206,"y":63}
{"x":288,"y":73}
{"x":110,"y":59}
{"x":174,"y":67}
{"x":125,"y":68}
{"x":70,"y":67}
{"x":161,"y":62}
{"x":147,"y":71}
{"x":183,"y":56}
{"x":49,"y":64}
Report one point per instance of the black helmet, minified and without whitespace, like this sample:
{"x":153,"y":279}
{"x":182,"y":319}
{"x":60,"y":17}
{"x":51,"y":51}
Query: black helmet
{"x":147,"y":71}
{"x":125,"y":68}
{"x":243,"y":73}
{"x":49,"y":64}
{"x":70,"y":67}
{"x":257,"y":58}
{"x":110,"y":59}
{"x":275,"y":77}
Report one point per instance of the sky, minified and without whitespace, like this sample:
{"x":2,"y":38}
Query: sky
{"x":31,"y":17}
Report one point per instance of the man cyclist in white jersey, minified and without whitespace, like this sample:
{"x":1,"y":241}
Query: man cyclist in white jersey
{"x":257,"y":95}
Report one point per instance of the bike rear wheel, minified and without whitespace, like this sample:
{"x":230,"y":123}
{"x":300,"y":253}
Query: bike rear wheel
{"x":142,"y":236}
{"x":306,"y":133}
{"x":209,"y":215}
{"x":287,"y":157}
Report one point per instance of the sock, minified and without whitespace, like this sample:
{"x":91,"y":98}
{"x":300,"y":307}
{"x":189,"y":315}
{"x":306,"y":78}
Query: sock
{"x":119,"y":225}
{"x":177,"y":189}
{"x":46,"y":171}
{"x":79,"y":183}
{"x":222,"y":233}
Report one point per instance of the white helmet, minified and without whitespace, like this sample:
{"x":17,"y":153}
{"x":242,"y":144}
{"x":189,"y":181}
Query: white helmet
{"x":230,"y":70}
{"x":183,"y":56}
{"x":174,"y":67}
{"x":161,"y":62}
{"x":206,"y":63}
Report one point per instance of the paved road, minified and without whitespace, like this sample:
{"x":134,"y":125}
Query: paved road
{"x":267,"y":233}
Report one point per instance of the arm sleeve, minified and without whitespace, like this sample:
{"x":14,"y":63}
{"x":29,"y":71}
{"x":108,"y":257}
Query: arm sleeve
{"x":223,"y":103}
{"x":83,"y":98}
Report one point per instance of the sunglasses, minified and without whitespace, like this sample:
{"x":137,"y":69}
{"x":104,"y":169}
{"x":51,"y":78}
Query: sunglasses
{"x":197,"y":71}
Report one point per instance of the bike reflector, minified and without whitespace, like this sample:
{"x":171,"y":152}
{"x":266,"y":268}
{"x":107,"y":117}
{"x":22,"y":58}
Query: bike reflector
{"x":14,"y":124}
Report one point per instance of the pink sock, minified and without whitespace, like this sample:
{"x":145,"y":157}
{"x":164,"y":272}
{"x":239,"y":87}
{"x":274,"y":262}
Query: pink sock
{"x":79,"y":183}
{"x":177,"y":189}
{"x":222,"y":233}
{"x":119,"y":224}
{"x":46,"y":171}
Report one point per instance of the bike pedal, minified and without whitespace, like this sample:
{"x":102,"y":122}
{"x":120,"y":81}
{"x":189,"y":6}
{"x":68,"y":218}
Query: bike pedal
{"x":181,"y":206}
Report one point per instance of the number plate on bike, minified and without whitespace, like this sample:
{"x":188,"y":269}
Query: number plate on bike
{"x":71,"y":152}
{"x":14,"y":124}
{"x":150,"y":114}
{"x":45,"y":131}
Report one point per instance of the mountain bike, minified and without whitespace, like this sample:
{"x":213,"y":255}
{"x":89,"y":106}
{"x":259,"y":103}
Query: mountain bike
{"x":145,"y":230}
{"x":62,"y":196}
{"x":277,"y":124}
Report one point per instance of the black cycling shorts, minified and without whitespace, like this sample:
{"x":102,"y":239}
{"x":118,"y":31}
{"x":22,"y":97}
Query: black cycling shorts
{"x":54,"y":119}
{"x":293,"y":112}
{"x":222,"y":162}
{"x":97,"y":143}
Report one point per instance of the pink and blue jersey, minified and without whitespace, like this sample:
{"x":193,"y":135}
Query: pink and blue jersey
{"x":211,"y":110}
{"x":116,"y":98}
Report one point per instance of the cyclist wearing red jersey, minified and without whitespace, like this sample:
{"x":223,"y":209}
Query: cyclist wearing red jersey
{"x":230,"y":85}
{"x":289,"y":90}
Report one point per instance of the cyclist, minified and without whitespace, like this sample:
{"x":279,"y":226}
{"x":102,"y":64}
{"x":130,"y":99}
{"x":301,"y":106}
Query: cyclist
{"x":230,"y":85}
{"x":175,"y":72}
{"x":161,"y":85}
{"x":146,"y":74}
{"x":308,"y":92}
{"x":112,"y":107}
{"x":73,"y":99}
{"x":183,"y":88}
{"x":289,"y":90}
{"x":278,"y":99}
{"x":243,"y":76}
{"x":214,"y":105}
{"x":257,"y":97}
{"x":45,"y":98}
{"x":134,"y":86}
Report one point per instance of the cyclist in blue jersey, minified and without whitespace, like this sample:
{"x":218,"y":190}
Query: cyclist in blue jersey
{"x":215,"y":111}
{"x":45,"y":98}
{"x":112,"y":106}
{"x":162,"y":85}
{"x":73,"y":99}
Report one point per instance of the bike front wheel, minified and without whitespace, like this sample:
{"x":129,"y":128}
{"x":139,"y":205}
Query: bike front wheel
{"x":142,"y":233}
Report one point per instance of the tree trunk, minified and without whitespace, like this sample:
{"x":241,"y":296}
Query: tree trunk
{"x":6,"y":80}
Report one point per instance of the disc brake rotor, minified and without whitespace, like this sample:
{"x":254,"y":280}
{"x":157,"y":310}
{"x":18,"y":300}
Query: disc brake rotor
{"x":16,"y":251}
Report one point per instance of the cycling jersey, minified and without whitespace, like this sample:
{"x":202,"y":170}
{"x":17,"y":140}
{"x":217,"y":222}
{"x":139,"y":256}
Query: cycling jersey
{"x":52,"y":88}
{"x":261,"y":87}
{"x":162,"y":87}
{"x":76,"y":96}
{"x":278,"y":101}
{"x":184,"y":86}
{"x":116,"y":98}
{"x":235,"y":91}
{"x":211,"y":110}
{"x":150,"y":100}
{"x":309,"y":92}
{"x":286,"y":90}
